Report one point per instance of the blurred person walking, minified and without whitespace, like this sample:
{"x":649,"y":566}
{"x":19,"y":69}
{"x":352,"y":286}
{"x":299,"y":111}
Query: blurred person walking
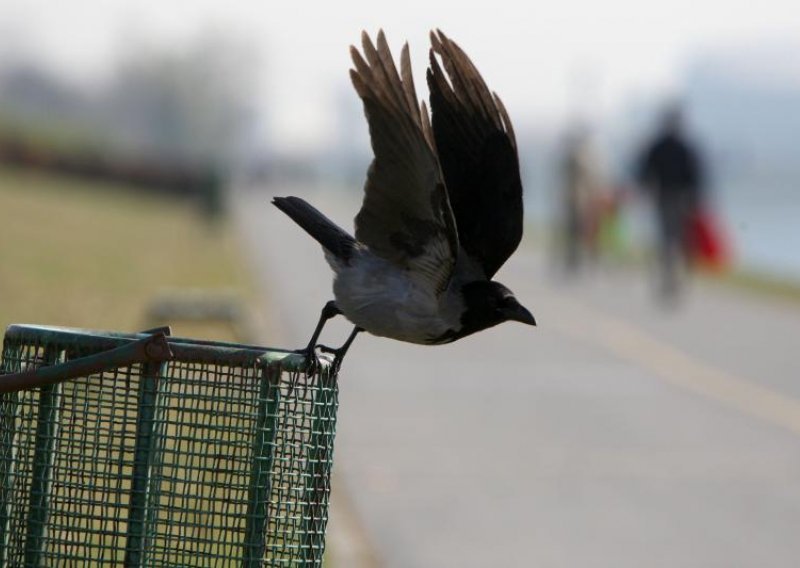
{"x":580,"y":197}
{"x":671,"y":170}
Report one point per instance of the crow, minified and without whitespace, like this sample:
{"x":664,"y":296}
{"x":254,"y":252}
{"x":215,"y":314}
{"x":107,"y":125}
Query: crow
{"x":442,"y":208}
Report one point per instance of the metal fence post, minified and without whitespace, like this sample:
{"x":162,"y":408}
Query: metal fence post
{"x":8,"y":415}
{"x":140,"y":509}
{"x":8,"y":404}
{"x":44,"y":454}
{"x":263,"y":457}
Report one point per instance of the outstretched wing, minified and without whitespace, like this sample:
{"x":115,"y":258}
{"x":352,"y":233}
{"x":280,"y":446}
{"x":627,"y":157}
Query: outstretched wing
{"x":405,"y":217}
{"x":478,"y":155}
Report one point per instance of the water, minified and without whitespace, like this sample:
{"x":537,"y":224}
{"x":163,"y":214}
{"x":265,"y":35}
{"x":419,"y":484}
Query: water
{"x":763,"y":220}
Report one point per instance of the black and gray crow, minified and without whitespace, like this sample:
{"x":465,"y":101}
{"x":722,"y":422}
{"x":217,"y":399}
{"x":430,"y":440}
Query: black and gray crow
{"x":442,"y":207}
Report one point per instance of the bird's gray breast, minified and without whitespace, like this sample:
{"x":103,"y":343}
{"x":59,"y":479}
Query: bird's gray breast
{"x":387,"y":300}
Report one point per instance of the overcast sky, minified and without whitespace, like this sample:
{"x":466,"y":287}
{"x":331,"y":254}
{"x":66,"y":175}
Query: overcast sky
{"x":545,"y":59}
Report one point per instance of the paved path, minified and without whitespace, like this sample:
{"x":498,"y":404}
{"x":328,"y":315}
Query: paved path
{"x":614,"y":435}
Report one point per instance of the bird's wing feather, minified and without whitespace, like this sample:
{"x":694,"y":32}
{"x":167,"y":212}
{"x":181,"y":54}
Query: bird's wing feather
{"x":406,"y":216}
{"x":477,"y":151}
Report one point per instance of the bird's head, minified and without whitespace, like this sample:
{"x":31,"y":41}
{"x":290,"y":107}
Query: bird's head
{"x":488,"y":303}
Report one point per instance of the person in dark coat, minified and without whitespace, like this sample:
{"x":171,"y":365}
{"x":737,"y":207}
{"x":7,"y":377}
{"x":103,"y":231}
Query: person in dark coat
{"x":672,"y":171}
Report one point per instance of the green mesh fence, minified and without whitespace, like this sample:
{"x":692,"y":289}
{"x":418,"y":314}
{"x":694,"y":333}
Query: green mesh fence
{"x":219,"y":456}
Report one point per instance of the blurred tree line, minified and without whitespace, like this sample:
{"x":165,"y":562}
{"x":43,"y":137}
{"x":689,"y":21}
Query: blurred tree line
{"x":173,"y":119}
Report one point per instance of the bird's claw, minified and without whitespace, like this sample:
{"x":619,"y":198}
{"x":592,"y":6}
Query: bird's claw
{"x":312,"y":359}
{"x":338,"y":356}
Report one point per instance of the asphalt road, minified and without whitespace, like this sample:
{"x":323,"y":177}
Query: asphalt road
{"x":616,"y":434}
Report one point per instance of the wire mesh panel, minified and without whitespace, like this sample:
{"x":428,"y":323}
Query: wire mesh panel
{"x":220,"y":456}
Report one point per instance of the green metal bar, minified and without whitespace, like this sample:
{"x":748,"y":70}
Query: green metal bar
{"x":318,"y":470}
{"x":8,"y":416}
{"x":43,"y":459}
{"x":261,"y":473}
{"x":8,"y":404}
{"x":154,"y":348}
{"x":183,"y":349}
{"x":140,"y":507}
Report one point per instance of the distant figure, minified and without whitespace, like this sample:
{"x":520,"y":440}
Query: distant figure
{"x":672,"y":171}
{"x":580,"y":191}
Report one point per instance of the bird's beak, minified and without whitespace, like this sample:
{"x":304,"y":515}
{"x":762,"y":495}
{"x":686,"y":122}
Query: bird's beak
{"x":519,"y":313}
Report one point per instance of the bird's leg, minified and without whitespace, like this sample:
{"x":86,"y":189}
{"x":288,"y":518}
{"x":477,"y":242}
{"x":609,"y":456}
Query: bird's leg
{"x":329,"y":311}
{"x":340,"y":353}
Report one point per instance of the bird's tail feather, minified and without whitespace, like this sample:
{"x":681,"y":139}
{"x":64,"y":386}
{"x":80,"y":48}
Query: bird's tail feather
{"x":332,"y":237}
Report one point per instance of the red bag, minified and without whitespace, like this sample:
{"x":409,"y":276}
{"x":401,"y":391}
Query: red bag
{"x":707,"y":245}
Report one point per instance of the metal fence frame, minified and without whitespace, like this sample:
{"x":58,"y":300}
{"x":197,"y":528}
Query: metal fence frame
{"x":284,"y":386}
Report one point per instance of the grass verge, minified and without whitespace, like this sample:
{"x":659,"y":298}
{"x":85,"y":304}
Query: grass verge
{"x":90,"y":254}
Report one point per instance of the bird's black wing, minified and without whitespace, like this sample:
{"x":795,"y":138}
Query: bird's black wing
{"x":406,"y":216}
{"x":478,"y":154}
